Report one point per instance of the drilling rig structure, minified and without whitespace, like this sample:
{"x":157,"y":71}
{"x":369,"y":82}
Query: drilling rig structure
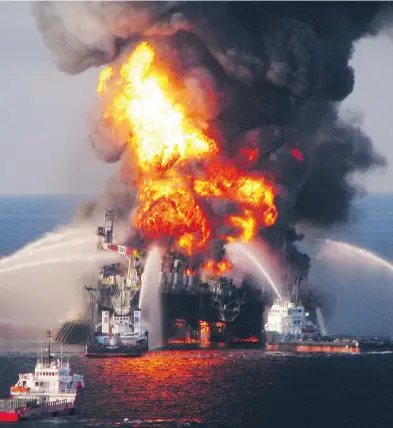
{"x":197,"y":310}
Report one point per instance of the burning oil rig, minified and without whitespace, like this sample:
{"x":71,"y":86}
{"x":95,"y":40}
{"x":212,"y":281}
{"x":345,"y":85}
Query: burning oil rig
{"x":197,"y":309}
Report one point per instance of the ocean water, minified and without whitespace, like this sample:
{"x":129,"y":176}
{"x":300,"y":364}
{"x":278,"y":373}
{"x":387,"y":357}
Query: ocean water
{"x":229,"y":388}
{"x":209,"y":388}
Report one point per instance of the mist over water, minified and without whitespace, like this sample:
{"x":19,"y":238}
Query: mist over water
{"x":43,"y":282}
{"x":362,"y":286}
{"x":150,"y":298}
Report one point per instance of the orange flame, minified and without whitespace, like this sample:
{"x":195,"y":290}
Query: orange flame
{"x":141,"y":107}
{"x":217,"y":268}
{"x":161,"y":132}
{"x":167,"y":208}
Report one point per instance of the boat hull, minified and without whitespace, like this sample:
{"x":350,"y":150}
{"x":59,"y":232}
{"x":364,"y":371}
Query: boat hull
{"x":121,"y":351}
{"x":311,"y":348}
{"x":50,"y":410}
{"x":328,"y":348}
{"x":32,"y":414}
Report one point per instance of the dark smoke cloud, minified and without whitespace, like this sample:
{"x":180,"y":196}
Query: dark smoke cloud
{"x":266,"y":73}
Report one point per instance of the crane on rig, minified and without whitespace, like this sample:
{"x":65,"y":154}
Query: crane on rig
{"x":131,"y":283}
{"x":105,"y":238}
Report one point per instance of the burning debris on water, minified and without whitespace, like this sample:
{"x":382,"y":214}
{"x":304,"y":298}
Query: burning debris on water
{"x":223,"y":114}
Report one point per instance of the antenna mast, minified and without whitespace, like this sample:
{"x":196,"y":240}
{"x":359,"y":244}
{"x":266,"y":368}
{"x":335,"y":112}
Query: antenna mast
{"x":49,"y":335}
{"x":41,"y":349}
{"x":284,"y":264}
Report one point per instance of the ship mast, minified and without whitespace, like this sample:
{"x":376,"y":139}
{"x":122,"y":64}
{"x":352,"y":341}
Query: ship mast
{"x":284,"y":264}
{"x":296,"y":290}
{"x":49,"y":335}
{"x":297,"y":282}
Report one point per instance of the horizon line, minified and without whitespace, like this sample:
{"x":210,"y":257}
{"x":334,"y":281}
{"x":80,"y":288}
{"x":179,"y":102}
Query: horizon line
{"x":3,"y":195}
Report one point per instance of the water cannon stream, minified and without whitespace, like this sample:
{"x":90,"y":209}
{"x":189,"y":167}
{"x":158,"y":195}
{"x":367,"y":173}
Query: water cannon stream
{"x":246,"y":251}
{"x":332,"y":248}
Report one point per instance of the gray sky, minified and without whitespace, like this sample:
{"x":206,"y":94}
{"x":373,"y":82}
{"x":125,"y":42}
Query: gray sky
{"x":372,"y":98}
{"x":43,"y":134}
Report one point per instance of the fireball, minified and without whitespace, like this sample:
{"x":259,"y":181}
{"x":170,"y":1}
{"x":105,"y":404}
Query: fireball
{"x":141,"y":103}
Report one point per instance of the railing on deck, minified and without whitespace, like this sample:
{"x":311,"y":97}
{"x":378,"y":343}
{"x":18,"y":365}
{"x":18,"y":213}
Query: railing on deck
{"x":11,"y":405}
{"x":183,"y":289}
{"x":16,"y":404}
{"x":68,"y":391}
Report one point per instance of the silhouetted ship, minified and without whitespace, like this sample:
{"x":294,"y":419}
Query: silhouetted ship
{"x":118,"y":336}
{"x":290,"y":329}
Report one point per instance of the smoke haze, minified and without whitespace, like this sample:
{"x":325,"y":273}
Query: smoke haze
{"x":267,"y":75}
{"x":362,"y":290}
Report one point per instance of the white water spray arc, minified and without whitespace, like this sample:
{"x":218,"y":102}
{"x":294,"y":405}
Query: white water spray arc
{"x":246,"y":251}
{"x":67,"y":241}
{"x":41,"y":253}
{"x":321,"y":322}
{"x":63,"y":234}
{"x":68,"y":245}
{"x":150,"y":298}
{"x":58,"y":260}
{"x":336,"y":246}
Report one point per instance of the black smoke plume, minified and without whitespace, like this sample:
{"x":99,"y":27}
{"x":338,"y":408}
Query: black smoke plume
{"x":267,"y":73}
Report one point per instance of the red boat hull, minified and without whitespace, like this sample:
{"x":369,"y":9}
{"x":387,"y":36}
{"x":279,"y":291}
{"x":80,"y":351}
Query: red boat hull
{"x":9,"y":417}
{"x":49,"y":410}
{"x":294,"y":347}
{"x":32,"y":414}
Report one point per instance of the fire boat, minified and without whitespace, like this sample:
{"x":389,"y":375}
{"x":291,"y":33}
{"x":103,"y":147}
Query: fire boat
{"x":52,"y":390}
{"x":118,"y":337}
{"x":290,"y":329}
{"x":119,"y":334}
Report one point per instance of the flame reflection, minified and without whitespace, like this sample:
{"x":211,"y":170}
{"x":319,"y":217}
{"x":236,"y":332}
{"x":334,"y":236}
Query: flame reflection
{"x":158,"y":384}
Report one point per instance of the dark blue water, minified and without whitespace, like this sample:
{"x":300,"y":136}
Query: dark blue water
{"x":242,"y":388}
{"x":23,"y":219}
{"x":226,"y":389}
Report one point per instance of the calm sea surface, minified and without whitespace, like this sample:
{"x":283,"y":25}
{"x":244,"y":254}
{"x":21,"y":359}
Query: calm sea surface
{"x":234,"y":388}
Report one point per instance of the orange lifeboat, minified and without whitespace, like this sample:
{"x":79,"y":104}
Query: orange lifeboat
{"x":19,"y":389}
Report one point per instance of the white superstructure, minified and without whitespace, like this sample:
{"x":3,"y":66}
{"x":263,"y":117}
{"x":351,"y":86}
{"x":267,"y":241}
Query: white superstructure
{"x":287,"y":318}
{"x":120,"y":325}
{"x":51,"y":381}
{"x":120,"y":331}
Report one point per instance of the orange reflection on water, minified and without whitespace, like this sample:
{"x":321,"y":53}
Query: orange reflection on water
{"x":160,"y":383}
{"x":247,"y":340}
{"x":179,"y":341}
